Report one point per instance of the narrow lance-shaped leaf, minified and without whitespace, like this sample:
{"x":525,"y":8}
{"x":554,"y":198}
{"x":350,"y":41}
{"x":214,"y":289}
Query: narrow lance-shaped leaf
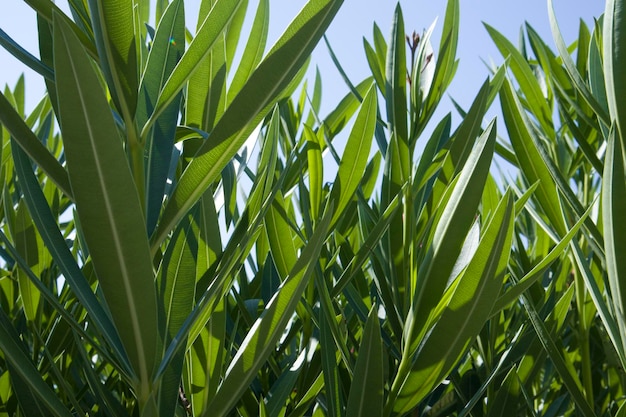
{"x":613,"y":208}
{"x":48,"y":9}
{"x":446,"y":61}
{"x":250,"y":106}
{"x":14,"y":352}
{"x":538,"y":270}
{"x":396,"y":73}
{"x":614,"y":54}
{"x":316,"y":169}
{"x":176,"y":293}
{"x":205,"y":94}
{"x":354,"y":159}
{"x":24,"y":56}
{"x":571,"y":69}
{"x":167,"y":48}
{"x":267,"y":330}
{"x":526,"y":79}
{"x":466,"y":313}
{"x":253,"y":52}
{"x":214,"y":24}
{"x":28,"y":141}
{"x":54,"y":241}
{"x":367,"y":390}
{"x":114,"y":30}
{"x":530,"y":161}
{"x":107,"y":204}
{"x":455,"y":221}
{"x":26,"y":244}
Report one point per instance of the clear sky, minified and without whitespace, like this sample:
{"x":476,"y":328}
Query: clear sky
{"x":353,"y":22}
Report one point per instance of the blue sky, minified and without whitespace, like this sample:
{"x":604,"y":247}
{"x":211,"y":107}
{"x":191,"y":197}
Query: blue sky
{"x":353,"y":22}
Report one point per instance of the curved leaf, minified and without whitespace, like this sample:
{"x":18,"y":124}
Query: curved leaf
{"x":250,"y":106}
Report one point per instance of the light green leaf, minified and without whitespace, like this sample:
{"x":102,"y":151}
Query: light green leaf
{"x":528,"y":82}
{"x":26,"y":243}
{"x":253,"y":52}
{"x":208,"y":34}
{"x":316,"y":169}
{"x":367,"y":390}
{"x":446,"y":65}
{"x":396,"y":73}
{"x":116,"y":40}
{"x":466,"y":313}
{"x":252,"y":104}
{"x":453,"y":224}
{"x":531,"y":163}
{"x":355,"y":155}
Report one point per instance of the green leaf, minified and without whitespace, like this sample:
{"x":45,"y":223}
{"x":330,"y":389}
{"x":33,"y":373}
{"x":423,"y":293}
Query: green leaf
{"x":206,"y":359}
{"x":167,"y":48}
{"x":26,"y":398}
{"x":355,"y":155}
{"x":527,"y":80}
{"x":538,"y":270}
{"x":464,"y":137}
{"x":614,"y":54}
{"x":563,"y":365}
{"x":270,"y":79}
{"x":15,"y":352}
{"x":613,"y":206}
{"x":116,"y":40}
{"x":206,"y":89}
{"x":24,"y":56}
{"x":396,"y":73}
{"x":572,"y":70}
{"x":377,"y":70}
{"x":48,"y":9}
{"x":280,"y":237}
{"x":367,"y":390}
{"x":316,"y":169}
{"x":531,"y":163}
{"x":27,"y":140}
{"x":54,"y":241}
{"x":107,"y":204}
{"x":176,"y":286}
{"x":260,"y":341}
{"x":454,"y":222}
{"x":253,"y":52}
{"x":446,"y":65}
{"x":466,"y":313}
{"x":342,"y":113}
{"x":329,"y":353}
{"x":26,"y":244}
{"x":208,"y":34}
{"x":507,"y":398}
{"x":373,"y":238}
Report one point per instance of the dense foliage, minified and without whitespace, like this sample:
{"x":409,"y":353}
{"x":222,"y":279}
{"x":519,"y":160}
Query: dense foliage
{"x":170,"y":246}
